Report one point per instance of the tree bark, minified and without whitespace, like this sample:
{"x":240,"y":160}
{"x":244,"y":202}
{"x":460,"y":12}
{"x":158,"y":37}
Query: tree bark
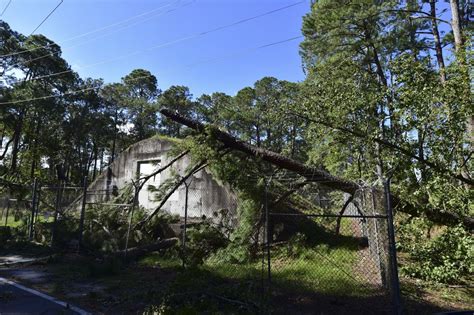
{"x":456,"y":25}
{"x":314,"y":174}
{"x":16,"y":141}
{"x":437,"y":41}
{"x":137,"y":252}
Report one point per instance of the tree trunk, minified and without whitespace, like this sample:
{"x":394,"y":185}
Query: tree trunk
{"x":314,"y":174}
{"x":16,"y":141}
{"x":456,"y":25}
{"x":94,"y":172}
{"x":437,"y":41}
{"x":137,"y":252}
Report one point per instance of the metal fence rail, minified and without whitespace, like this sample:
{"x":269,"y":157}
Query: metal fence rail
{"x":296,"y":261}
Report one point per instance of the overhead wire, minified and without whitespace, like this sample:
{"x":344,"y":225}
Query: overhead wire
{"x":24,"y":62}
{"x":153,"y":47}
{"x":6,"y":7}
{"x":47,"y":17}
{"x":141,"y":77}
{"x":93,"y":31}
{"x":244,"y":52}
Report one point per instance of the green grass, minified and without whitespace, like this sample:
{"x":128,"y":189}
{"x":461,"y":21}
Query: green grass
{"x":320,"y":269}
{"x":11,"y":222}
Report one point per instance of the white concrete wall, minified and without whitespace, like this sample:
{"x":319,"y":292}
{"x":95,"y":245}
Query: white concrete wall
{"x":206,"y":196}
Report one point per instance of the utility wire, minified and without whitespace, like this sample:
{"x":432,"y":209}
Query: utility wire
{"x":47,"y":17}
{"x":6,"y":7}
{"x":189,"y":66}
{"x":244,"y":52}
{"x":181,"y":40}
{"x":104,"y":35}
{"x":194,"y":35}
{"x":91,"y":32}
{"x":88,"y":89}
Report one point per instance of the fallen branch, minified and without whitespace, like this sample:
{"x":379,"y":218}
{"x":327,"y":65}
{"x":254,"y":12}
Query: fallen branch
{"x":194,"y":170}
{"x":344,"y":207}
{"x":315,"y":174}
{"x":289,"y":193}
{"x":144,"y":179}
{"x":137,"y":252}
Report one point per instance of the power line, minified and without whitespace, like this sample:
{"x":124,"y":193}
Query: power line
{"x":189,"y":66}
{"x":47,"y":17}
{"x":89,"y":89}
{"x":90,"y":32}
{"x":6,"y":7}
{"x":104,"y":35}
{"x":186,"y":37}
{"x":181,"y":40}
{"x":244,"y":52}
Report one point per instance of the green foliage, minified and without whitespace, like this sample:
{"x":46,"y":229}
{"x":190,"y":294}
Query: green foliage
{"x":296,"y":245}
{"x":203,"y":239}
{"x":243,"y":244}
{"x":106,"y":228}
{"x":448,"y":258}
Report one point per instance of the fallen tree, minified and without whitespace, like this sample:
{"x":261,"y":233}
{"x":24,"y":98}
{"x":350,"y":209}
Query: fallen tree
{"x":137,"y":252}
{"x":314,"y":174}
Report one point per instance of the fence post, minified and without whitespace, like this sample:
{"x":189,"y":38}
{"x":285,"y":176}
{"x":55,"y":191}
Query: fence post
{"x":38,"y":200}
{"x":268,"y":237}
{"x":186,"y":185}
{"x":33,"y":207}
{"x":395,"y":287}
{"x":8,"y":210}
{"x":132,"y":210}
{"x":83,"y":212}
{"x":56,"y":213}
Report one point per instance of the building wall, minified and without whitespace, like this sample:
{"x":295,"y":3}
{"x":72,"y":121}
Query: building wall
{"x":206,"y":196}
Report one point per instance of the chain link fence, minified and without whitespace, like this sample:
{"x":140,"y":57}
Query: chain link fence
{"x":15,"y":212}
{"x":277,"y":260}
{"x":339,"y":263}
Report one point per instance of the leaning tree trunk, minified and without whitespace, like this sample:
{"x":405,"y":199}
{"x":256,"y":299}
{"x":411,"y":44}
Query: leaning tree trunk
{"x":314,"y":174}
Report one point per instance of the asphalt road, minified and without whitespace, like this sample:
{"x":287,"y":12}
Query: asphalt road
{"x":14,"y":300}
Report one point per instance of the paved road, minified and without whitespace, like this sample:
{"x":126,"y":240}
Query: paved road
{"x":15,"y":300}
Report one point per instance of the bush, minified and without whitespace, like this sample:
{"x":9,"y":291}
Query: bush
{"x":203,"y":239}
{"x":447,"y":258}
{"x":296,"y":245}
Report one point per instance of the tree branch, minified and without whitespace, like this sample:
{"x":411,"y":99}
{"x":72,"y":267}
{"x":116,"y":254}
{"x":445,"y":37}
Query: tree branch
{"x":314,"y":174}
{"x":194,"y":170}
{"x":406,"y":152}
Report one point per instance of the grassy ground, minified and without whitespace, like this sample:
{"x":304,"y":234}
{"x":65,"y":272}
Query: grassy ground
{"x":301,"y":284}
{"x":331,"y":276}
{"x":18,"y":222}
{"x":11,"y":222}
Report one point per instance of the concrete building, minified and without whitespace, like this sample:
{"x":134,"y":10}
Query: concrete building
{"x":206,"y":196}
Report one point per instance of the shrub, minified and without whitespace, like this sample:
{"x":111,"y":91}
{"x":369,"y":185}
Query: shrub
{"x":203,"y":239}
{"x":447,"y":258}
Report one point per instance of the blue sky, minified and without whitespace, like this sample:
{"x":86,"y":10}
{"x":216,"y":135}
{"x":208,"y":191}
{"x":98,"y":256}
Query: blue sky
{"x":232,"y":65}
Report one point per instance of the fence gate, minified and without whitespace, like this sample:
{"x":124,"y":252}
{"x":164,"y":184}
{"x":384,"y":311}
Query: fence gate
{"x":337,"y":263}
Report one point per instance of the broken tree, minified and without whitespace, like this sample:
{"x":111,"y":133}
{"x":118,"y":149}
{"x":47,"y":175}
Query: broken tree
{"x":312,"y":173}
